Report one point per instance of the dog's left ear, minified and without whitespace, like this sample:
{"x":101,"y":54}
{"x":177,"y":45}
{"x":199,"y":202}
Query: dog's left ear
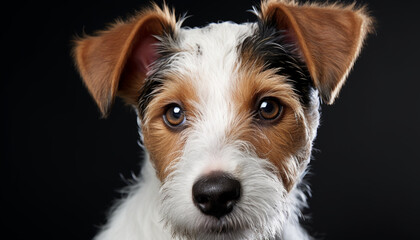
{"x":116,"y":61}
{"x":328,"y":38}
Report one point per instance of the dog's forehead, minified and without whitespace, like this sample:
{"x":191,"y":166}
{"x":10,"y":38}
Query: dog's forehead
{"x":224,"y":36}
{"x":210,"y":54}
{"x":216,"y":43}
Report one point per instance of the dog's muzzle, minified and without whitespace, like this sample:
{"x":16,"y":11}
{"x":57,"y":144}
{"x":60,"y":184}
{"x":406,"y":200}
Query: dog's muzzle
{"x":216,"y":194}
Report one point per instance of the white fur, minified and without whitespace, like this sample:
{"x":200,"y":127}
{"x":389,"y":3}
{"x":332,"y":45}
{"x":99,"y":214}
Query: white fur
{"x":155,"y":211}
{"x":136,"y":217}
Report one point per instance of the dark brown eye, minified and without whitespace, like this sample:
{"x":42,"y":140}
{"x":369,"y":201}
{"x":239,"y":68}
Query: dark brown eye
{"x":174,"y":116}
{"x":269,"y":108}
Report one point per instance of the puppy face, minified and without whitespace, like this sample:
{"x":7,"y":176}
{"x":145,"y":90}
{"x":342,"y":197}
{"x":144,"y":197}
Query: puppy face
{"x":225,"y":128}
{"x":227,"y":107}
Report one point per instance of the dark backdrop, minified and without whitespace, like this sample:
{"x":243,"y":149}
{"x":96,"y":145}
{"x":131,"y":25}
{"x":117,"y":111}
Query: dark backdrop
{"x":61,"y":165}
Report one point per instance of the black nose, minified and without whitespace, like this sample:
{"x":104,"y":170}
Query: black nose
{"x":216,"y":193}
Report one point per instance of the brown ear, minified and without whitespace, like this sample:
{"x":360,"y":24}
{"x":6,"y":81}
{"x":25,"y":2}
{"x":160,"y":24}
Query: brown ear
{"x":116,"y":61}
{"x":328,"y":37}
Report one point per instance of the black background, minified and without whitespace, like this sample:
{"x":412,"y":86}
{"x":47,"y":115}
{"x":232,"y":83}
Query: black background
{"x":61,"y":165}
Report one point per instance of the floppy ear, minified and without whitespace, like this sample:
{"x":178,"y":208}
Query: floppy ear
{"x":328,"y":38}
{"x":116,"y":61}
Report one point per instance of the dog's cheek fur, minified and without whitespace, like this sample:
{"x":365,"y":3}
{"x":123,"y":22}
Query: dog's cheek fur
{"x":283,"y":142}
{"x":286,"y":146}
{"x":163,"y":143}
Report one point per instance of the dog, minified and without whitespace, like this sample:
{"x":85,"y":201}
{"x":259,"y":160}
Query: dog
{"x":227,"y":114}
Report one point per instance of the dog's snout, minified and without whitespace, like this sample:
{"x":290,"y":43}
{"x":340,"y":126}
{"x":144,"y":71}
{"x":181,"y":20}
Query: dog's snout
{"x":216,"y":194}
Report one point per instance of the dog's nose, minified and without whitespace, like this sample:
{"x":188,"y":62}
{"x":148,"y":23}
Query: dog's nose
{"x":216,"y":193}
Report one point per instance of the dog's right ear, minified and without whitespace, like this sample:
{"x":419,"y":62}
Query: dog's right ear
{"x":116,"y":61}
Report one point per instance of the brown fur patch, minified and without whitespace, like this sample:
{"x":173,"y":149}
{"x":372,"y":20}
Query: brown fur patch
{"x":329,"y":37}
{"x":284,"y":142}
{"x":163,"y":143}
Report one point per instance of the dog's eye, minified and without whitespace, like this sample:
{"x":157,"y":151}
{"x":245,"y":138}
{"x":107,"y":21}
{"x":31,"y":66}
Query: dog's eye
{"x":174,"y":116}
{"x":269,"y":108}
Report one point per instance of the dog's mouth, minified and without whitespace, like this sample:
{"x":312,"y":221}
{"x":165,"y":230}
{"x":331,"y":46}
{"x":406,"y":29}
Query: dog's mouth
{"x":212,"y":228}
{"x":223,"y":225}
{"x":219,"y":226}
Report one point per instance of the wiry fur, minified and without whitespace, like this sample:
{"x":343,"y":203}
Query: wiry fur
{"x":218,"y":74}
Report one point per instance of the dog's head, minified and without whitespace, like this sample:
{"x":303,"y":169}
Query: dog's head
{"x":228,"y":112}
